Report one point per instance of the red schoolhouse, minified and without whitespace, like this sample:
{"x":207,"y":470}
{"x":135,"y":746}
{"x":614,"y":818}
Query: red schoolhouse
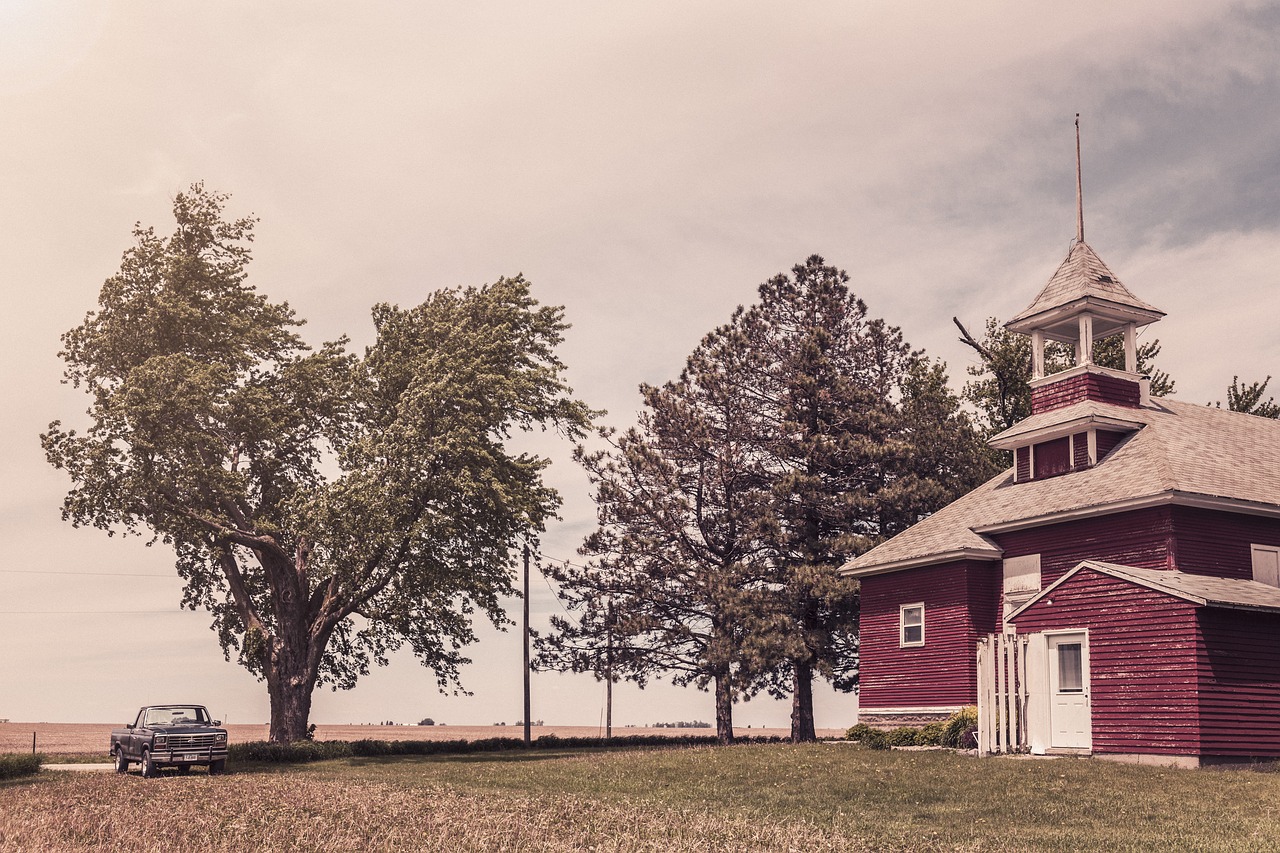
{"x":1133,"y":550}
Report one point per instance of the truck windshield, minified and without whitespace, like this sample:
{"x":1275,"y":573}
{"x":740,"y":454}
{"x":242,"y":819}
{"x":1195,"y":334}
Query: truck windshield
{"x":175,"y":715}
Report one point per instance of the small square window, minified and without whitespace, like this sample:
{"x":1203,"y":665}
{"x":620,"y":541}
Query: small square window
{"x":911,"y":625}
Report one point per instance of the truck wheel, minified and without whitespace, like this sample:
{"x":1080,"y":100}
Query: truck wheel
{"x":217,"y":768}
{"x":149,"y":768}
{"x":122,"y":763}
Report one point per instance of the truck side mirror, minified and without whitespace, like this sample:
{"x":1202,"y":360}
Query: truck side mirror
{"x":128,"y":725}
{"x":216,"y":723}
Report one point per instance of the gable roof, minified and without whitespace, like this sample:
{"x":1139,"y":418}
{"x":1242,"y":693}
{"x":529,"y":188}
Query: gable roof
{"x":1183,"y":453}
{"x":1081,"y":276}
{"x":1205,"y":590}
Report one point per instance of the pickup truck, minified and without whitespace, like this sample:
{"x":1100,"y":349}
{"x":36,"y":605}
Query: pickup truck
{"x":170,"y":736}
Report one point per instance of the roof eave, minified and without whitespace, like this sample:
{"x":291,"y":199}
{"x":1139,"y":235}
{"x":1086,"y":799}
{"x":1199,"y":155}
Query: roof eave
{"x":1026,"y":322}
{"x":1162,"y":498}
{"x":1013,"y":437}
{"x":991,"y":554}
{"x":1164,"y":589}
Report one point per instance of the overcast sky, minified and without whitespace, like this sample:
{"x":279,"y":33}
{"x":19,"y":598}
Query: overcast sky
{"x":646,"y":165}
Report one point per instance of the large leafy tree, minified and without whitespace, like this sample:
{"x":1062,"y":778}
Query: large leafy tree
{"x":325,"y":508}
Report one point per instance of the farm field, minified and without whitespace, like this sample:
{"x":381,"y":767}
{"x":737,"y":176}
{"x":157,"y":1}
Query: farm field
{"x":84,"y":738}
{"x":756,"y":797}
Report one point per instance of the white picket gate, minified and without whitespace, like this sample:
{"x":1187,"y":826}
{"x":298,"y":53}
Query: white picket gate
{"x":1002,"y":694}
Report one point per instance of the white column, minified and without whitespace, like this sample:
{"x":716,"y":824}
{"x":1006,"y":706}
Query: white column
{"x":1037,"y":354}
{"x":1131,"y":348}
{"x":1084,"y":347}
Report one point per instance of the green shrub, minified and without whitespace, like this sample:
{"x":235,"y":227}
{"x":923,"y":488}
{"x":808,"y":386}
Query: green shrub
{"x":931,"y":735}
{"x":858,"y":732}
{"x":13,"y":766}
{"x":875,"y":739}
{"x":320,"y":750}
{"x":904,"y":736}
{"x":958,"y":733}
{"x":299,"y":752}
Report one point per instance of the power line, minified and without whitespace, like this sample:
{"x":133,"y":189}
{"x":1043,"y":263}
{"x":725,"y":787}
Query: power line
{"x":95,"y":574}
{"x":554,"y":594}
{"x":83,"y":612}
{"x":151,"y":574}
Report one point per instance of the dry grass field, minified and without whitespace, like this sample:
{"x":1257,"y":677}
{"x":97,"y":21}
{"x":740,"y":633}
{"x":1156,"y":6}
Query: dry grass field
{"x":745,"y":798}
{"x":90,"y":738}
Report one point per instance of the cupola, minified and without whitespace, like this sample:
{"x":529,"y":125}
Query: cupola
{"x":1078,"y":413}
{"x":1084,"y":302}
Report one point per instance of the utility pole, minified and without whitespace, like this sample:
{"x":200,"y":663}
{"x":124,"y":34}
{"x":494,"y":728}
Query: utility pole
{"x":608,"y":678}
{"x":527,"y":738}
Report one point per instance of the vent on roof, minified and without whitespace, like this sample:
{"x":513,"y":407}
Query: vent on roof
{"x":1106,"y":279}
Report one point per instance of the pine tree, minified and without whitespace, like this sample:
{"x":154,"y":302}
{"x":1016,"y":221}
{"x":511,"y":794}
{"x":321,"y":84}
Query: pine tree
{"x":675,"y":566}
{"x":861,"y":439}
{"x":800,"y":434}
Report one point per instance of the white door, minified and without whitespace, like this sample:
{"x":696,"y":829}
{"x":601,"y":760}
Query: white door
{"x":1069,"y":716}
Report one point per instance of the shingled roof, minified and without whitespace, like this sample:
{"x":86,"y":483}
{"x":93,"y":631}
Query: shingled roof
{"x":1082,"y":275}
{"x":1182,"y":452}
{"x":1071,"y":418}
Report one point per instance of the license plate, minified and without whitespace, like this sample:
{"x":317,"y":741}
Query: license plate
{"x":190,"y":757}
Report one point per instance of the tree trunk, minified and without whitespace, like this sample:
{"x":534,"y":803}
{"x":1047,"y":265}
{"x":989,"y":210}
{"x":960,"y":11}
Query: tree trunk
{"x":724,"y":710}
{"x":802,"y":704}
{"x":290,"y":683}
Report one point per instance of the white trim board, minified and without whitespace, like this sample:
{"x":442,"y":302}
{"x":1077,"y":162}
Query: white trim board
{"x":929,"y":560}
{"x":1170,"y":498}
{"x":1187,"y":499}
{"x":914,"y":709}
{"x":1128,"y":574}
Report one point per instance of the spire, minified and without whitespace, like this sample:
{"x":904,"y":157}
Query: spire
{"x":1079,"y":188}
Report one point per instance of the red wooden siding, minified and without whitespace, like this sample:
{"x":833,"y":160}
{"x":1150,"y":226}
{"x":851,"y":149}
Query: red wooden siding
{"x":1023,"y":457}
{"x":1107,"y":440}
{"x":1143,"y":650}
{"x":1141,"y":538}
{"x":1080,"y":457}
{"x":986,"y":598}
{"x":1053,"y":457}
{"x":942,"y":671}
{"x":1085,"y":386}
{"x":1239,"y":683}
{"x":1217,"y":543}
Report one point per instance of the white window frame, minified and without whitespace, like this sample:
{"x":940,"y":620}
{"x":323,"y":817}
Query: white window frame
{"x":1254,"y":551}
{"x":902,"y":625}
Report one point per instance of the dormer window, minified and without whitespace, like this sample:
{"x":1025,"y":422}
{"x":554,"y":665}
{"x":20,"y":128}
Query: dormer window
{"x":1061,"y":454}
{"x":1053,"y":457}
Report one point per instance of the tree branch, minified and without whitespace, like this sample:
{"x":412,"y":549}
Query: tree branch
{"x":235,"y":581}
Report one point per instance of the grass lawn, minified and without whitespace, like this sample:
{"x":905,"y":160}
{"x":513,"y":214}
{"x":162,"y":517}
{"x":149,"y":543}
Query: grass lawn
{"x":771,"y":797}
